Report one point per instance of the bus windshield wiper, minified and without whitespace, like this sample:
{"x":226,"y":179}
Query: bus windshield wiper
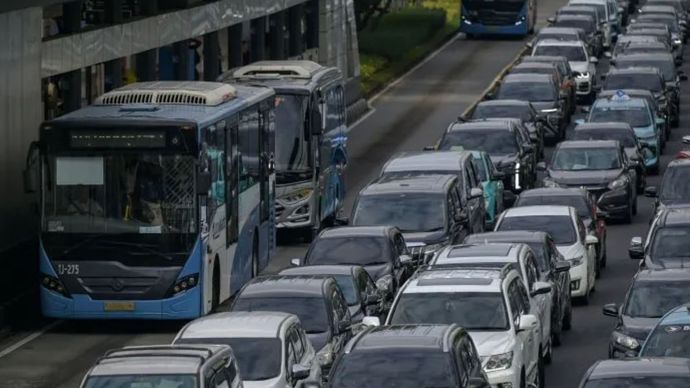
{"x":144,"y":247}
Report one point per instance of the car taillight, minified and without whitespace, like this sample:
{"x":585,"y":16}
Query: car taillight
{"x":683,"y":155}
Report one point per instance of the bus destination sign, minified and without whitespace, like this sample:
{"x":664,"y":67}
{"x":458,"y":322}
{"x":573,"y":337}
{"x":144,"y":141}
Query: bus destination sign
{"x":117,"y":139}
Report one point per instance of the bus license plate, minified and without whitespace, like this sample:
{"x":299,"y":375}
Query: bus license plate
{"x":119,"y":306}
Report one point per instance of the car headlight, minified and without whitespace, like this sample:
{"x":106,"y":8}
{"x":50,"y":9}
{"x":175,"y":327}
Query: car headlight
{"x":297,"y":196}
{"x":584,"y":74}
{"x":626,"y":340}
{"x":497,"y":362}
{"x":548,"y":182}
{"x":325,"y":355}
{"x":385,"y":282}
{"x":576,"y":261}
{"x":618,"y":183}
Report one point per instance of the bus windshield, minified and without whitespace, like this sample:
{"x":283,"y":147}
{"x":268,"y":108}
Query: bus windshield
{"x":292,"y":147}
{"x":144,"y":193}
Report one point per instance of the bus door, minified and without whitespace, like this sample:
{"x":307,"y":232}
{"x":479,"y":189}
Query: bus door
{"x":232,"y":182}
{"x":265,"y":122}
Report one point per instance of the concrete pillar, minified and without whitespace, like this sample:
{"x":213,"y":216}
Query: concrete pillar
{"x":113,"y":74}
{"x":71,"y":17}
{"x":258,"y":45}
{"x":211,"y":56}
{"x":235,"y":45}
{"x":146,"y":63}
{"x":277,"y":35}
{"x":296,"y":15}
{"x":113,"y":11}
{"x":312,"y":18}
{"x":70,"y":86}
{"x":181,"y":55}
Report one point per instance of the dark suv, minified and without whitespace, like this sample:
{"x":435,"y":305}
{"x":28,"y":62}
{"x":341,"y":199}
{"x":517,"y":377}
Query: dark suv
{"x":410,"y":356}
{"x":668,"y":244}
{"x":317,"y":301}
{"x":674,"y":190}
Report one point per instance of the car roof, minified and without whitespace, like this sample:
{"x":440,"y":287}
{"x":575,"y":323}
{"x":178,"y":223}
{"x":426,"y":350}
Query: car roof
{"x":675,"y":216}
{"x":417,"y":184}
{"x":325,"y":270}
{"x":413,"y":337}
{"x":426,"y":160}
{"x":450,"y":278}
{"x":357,"y":231}
{"x":157,"y":359}
{"x":556,"y":30}
{"x":285,"y":286}
{"x":589,"y":144}
{"x":544,"y":58}
{"x":535,"y":65}
{"x":553,"y":42}
{"x":541,"y":210}
{"x":612,"y":125}
{"x":239,"y":324}
{"x":528,"y":78}
{"x":631,"y":367}
{"x":507,"y":102}
{"x":515,"y":236}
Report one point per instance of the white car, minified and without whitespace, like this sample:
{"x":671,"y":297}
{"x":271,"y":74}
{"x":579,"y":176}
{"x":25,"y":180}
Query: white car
{"x":499,"y":254}
{"x":271,"y":348}
{"x":492,"y":305}
{"x":569,"y":234}
{"x":582,"y":64}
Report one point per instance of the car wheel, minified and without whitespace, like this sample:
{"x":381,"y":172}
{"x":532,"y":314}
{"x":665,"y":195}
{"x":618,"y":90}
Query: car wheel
{"x":215,"y":287}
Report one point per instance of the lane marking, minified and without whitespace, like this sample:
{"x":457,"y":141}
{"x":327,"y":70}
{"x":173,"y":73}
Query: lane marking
{"x":12,"y":348}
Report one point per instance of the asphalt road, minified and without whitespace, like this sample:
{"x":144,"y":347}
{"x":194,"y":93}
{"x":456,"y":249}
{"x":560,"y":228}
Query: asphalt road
{"x":407,"y":116}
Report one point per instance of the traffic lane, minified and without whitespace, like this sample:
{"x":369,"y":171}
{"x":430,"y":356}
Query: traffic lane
{"x":588,"y":339}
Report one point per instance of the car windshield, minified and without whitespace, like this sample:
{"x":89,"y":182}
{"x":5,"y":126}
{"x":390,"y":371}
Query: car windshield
{"x":354,"y":250}
{"x":666,"y":67}
{"x":626,"y":138}
{"x":493,"y":142}
{"x":671,"y":191}
{"x":569,"y":159}
{"x":310,"y":311}
{"x":578,"y":202}
{"x":409,"y":212}
{"x":258,"y":358}
{"x":292,"y":147}
{"x":560,"y":228}
{"x":600,"y":8}
{"x":668,"y":21}
{"x":143,"y":380}
{"x":527,"y":91}
{"x":394,"y":368}
{"x":671,"y":245}
{"x":636,"y":116}
{"x":473,"y":311}
{"x":633,"y":81}
{"x":644,"y":50}
{"x":640,"y":382}
{"x":649,"y":299}
{"x":573,"y":53}
{"x":484,"y":111}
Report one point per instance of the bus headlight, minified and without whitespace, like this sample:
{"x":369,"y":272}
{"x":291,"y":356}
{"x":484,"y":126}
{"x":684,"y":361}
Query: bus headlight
{"x":297,"y":195}
{"x":186,"y":283}
{"x":54,"y":284}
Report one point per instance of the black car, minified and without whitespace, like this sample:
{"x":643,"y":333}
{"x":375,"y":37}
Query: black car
{"x":544,"y":94}
{"x":667,"y":68}
{"x":587,"y":23}
{"x":670,"y":193}
{"x":600,"y":167}
{"x":317,"y":301}
{"x":638,"y":78}
{"x":535,"y":122}
{"x":361,"y":294}
{"x":566,"y":71}
{"x":582,"y":201}
{"x":652,"y":294}
{"x":553,"y":269}
{"x":410,"y":356}
{"x":381,"y":250}
{"x":625,"y":135}
{"x":583,"y":9}
{"x":503,"y":142}
{"x":426,"y":209}
{"x":638,"y":373}
{"x":668,"y":244}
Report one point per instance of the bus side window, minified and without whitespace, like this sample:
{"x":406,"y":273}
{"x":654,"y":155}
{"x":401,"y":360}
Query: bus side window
{"x":249,"y":148}
{"x":232,"y":179}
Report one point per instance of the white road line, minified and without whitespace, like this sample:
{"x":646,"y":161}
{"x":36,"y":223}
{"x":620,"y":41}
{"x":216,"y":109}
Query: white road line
{"x":10,"y":349}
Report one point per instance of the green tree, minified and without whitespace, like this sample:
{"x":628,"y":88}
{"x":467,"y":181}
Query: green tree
{"x":367,"y":11}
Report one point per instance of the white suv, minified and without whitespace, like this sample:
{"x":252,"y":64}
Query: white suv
{"x":569,"y":234}
{"x":271,"y":348}
{"x":583,"y":65}
{"x":491,"y":304}
{"x":521,"y":255}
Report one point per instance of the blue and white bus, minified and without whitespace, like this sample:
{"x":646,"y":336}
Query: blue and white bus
{"x":156,"y":202}
{"x":311,"y":140}
{"x":498,"y":17}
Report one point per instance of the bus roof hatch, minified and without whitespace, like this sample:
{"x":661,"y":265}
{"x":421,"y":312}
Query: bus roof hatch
{"x":170,"y":93}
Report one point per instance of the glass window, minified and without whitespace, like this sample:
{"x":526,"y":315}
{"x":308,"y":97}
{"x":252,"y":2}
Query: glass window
{"x":498,"y":142}
{"x":671,"y":191}
{"x":523,"y":298}
{"x":231,"y":371}
{"x":348,"y":287}
{"x":650,"y":82}
{"x":484,"y":111}
{"x":668,"y":341}
{"x":578,"y":202}
{"x":357,"y":250}
{"x":220,"y":381}
{"x":249,"y":148}
{"x":573,"y":53}
{"x":528,"y":91}
{"x":138,"y":381}
{"x":671,"y":245}
{"x":586,"y":159}
{"x":473,"y":311}
{"x":409,"y":212}
{"x":311,"y":311}
{"x":297,"y":344}
{"x":654,"y":299}
{"x":560,"y":228}
{"x":531,"y":272}
{"x":626,"y":138}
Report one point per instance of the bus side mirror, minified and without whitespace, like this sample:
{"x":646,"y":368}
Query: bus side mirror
{"x":31,"y":173}
{"x":203,"y":183}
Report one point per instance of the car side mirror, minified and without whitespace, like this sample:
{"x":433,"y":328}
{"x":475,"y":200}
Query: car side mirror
{"x":610,"y":310}
{"x":607,"y":54}
{"x":498,"y":175}
{"x":650,"y":191}
{"x":371,"y":321}
{"x":490,"y":96}
{"x":344,"y":326}
{"x":683,"y":77}
{"x":476,"y":192}
{"x":540,"y":288}
{"x":406,"y":259}
{"x":593,"y":60}
{"x":203,"y":183}
{"x":296,"y":262}
{"x":529,"y":45}
{"x":636,"y":249}
{"x":551,"y":20}
{"x":591,"y":240}
{"x":562,"y":266}
{"x":686,"y":140}
{"x":541,"y":166}
{"x":584,"y":109}
{"x":300,"y":372}
{"x":527,"y":322}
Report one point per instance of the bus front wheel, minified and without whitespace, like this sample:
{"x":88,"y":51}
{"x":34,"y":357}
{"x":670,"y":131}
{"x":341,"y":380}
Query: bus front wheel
{"x":215,"y":291}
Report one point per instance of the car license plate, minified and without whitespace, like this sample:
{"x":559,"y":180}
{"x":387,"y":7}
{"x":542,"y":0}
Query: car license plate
{"x":118,"y":306}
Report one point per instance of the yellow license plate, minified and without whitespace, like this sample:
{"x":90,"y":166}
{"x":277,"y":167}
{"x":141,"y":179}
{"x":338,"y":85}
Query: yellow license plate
{"x":119,"y":306}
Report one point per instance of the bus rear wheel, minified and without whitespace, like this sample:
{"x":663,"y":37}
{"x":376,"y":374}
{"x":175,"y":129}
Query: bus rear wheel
{"x":255,"y":259}
{"x":215,"y":288}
